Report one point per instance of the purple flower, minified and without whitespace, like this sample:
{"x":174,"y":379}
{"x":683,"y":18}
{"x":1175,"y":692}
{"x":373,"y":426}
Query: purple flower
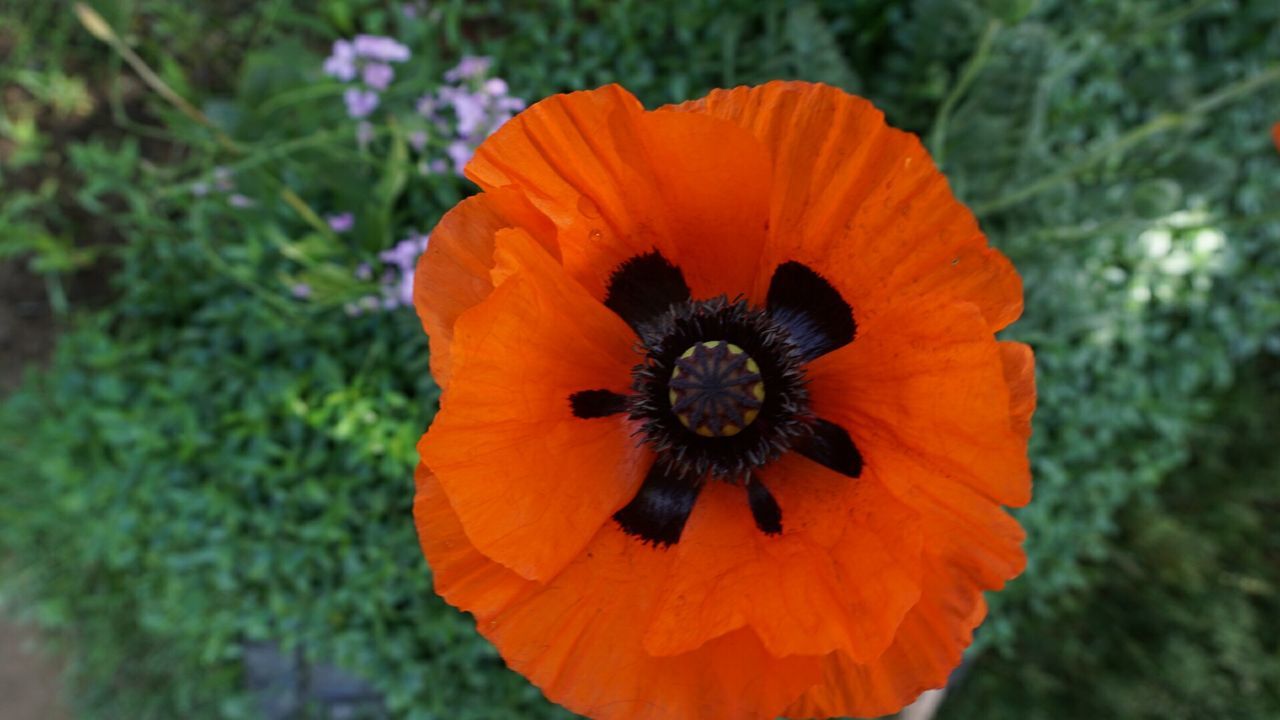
{"x":397,"y":284}
{"x":460,"y":153}
{"x":418,"y":140}
{"x":404,"y":254}
{"x":302,"y":291}
{"x":495,"y":86}
{"x":366,"y":56}
{"x":360,"y":103}
{"x":341,"y":63}
{"x":472,"y":111}
{"x":480,"y":106}
{"x":385,"y":49}
{"x":400,"y":262}
{"x":404,"y":291}
{"x":341,"y":222}
{"x":378,"y":75}
{"x":470,"y":67}
{"x":240,"y":201}
{"x":199,"y":189}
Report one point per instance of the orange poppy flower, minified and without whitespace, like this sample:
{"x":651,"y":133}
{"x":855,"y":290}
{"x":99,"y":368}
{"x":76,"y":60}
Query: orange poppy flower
{"x":1275,"y":135}
{"x":725,"y":430}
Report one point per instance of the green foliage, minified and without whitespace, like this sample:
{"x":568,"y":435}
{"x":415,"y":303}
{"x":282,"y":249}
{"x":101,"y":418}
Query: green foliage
{"x":1183,"y":619}
{"x":212,"y":472}
{"x":210,"y":460}
{"x":1144,"y":261}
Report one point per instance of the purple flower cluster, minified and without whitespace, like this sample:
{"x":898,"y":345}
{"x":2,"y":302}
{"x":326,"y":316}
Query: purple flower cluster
{"x":479,"y":104}
{"x":397,"y":279}
{"x":458,"y":116}
{"x":369,"y":58}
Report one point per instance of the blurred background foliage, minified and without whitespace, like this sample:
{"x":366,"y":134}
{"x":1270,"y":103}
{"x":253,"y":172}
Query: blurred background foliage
{"x":211,"y":460}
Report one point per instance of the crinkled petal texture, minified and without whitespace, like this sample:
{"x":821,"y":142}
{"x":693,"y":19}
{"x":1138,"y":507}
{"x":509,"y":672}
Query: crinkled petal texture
{"x":531,"y":482}
{"x":873,"y":589}
{"x":864,"y":203}
{"x":579,"y":636}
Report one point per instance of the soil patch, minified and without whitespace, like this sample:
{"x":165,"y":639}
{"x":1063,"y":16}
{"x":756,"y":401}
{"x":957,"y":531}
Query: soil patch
{"x":29,"y":681}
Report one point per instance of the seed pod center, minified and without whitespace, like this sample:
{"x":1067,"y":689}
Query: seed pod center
{"x":716,"y":389}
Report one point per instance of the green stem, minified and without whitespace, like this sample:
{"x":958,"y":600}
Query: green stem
{"x":277,"y":151}
{"x":297,"y":95}
{"x":101,"y":29}
{"x":1235,"y":90}
{"x":937,"y":136}
{"x":1116,"y":146}
{"x":304,"y":210}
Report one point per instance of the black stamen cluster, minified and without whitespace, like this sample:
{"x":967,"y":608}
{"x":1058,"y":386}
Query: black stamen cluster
{"x":784,"y":417}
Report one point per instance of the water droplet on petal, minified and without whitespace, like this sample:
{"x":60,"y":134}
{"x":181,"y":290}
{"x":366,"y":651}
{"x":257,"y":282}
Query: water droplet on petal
{"x":595,"y":236}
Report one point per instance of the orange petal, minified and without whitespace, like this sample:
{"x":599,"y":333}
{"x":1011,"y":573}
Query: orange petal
{"x":927,"y":648}
{"x":1275,"y":135}
{"x":578,"y":637}
{"x":453,"y":272}
{"x":618,"y":182}
{"x":531,"y":482}
{"x":462,"y":576}
{"x":923,"y":389}
{"x":713,"y":179}
{"x":978,"y":537}
{"x":841,"y":575}
{"x":1020,"y":374}
{"x":863,"y":203}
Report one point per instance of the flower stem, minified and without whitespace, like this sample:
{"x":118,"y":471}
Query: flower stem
{"x":101,"y":29}
{"x":937,"y":136}
{"x":1156,"y":125}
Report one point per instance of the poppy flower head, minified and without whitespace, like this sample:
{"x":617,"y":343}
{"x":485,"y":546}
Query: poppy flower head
{"x":721,"y":391}
{"x":725,"y":429}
